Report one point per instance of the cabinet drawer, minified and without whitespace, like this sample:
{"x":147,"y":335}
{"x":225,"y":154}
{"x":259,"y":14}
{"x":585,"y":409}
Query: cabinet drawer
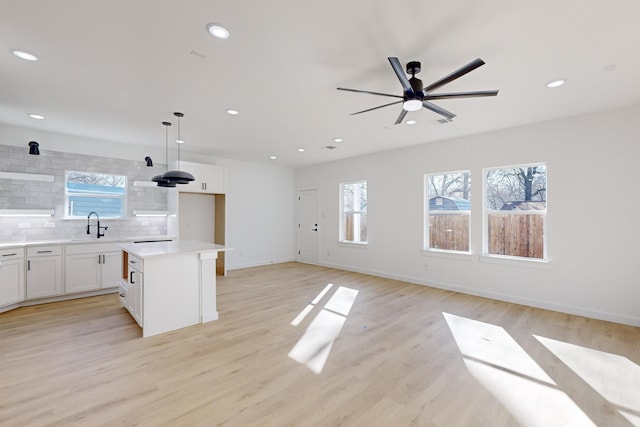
{"x":44,"y":250}
{"x":135,"y":262}
{"x":15,"y":253}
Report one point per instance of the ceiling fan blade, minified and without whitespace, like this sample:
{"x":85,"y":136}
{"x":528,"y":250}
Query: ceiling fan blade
{"x":476,"y":94}
{"x":375,"y":108}
{"x":449,"y":115}
{"x":369,"y":92}
{"x":401,"y":116}
{"x":404,"y":81}
{"x":456,"y":74}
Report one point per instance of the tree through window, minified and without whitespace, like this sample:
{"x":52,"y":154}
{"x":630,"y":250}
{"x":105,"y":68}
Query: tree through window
{"x":94,"y":192}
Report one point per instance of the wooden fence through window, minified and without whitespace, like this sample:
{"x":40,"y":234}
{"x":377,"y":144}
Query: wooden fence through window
{"x":520,"y":235}
{"x":449,"y":231}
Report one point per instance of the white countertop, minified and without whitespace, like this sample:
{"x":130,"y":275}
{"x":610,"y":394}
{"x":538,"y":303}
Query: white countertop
{"x":146,"y":250}
{"x":23,"y":244}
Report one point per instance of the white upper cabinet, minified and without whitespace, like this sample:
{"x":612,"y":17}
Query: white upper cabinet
{"x":209,"y":178}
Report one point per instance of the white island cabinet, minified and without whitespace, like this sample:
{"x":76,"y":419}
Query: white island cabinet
{"x":169,"y":285}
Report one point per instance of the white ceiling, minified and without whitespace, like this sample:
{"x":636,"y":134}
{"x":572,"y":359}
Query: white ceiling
{"x":114,"y":70}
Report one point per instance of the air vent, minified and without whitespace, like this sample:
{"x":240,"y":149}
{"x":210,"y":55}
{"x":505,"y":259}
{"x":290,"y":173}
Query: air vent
{"x":443,"y":121}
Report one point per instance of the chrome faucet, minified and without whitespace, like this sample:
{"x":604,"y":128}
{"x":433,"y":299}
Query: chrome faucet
{"x":99,"y":234}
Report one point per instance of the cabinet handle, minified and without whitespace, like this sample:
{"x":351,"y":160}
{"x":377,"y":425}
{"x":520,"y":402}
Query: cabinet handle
{"x":29,"y":265}
{"x":99,"y":259}
{"x":131,"y":278}
{"x":132,"y":262}
{"x":104,"y":260}
{"x":10,"y":254}
{"x":44,"y":252}
{"x":122,"y":295}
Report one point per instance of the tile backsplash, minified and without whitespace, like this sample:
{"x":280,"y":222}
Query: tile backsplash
{"x":23,"y":194}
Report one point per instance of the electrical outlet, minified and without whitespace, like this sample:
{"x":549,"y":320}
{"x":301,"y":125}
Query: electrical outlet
{"x":24,"y":225}
{"x":49,"y":225}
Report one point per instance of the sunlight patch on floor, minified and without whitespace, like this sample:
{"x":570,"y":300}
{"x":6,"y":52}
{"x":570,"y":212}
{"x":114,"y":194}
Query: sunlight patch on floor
{"x":314,"y":347}
{"x":614,"y":377}
{"x":506,"y":370}
{"x":300,"y":317}
{"x":492,"y":345}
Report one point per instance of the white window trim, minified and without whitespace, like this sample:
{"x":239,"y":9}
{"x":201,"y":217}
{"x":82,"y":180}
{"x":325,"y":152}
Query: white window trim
{"x":356,"y":218}
{"x":504,"y":259}
{"x":426,"y":212}
{"x":106,"y":196}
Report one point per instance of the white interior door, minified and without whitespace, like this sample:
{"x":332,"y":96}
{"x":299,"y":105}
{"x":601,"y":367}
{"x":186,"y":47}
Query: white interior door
{"x":308,"y":226}
{"x":197,"y":217}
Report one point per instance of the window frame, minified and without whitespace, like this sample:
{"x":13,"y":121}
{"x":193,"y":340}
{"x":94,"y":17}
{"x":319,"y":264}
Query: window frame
{"x":341,"y":228}
{"x":486,"y":212}
{"x":426,"y":227}
{"x":68,"y":193}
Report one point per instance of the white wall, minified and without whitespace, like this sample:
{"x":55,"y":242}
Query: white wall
{"x":592,"y":228}
{"x":261,"y":213}
{"x":260,"y":200}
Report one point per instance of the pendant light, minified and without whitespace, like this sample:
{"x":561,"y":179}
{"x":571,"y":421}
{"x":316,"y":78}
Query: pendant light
{"x":162,"y":182}
{"x":178,"y":176}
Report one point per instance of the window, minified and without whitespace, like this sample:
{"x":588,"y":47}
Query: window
{"x":516,"y":211}
{"x":353,"y":212}
{"x":447,"y":211}
{"x":86,"y":192}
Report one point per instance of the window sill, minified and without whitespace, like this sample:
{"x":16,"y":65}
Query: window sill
{"x":517,"y":261}
{"x":441,"y":253}
{"x":346,"y":244}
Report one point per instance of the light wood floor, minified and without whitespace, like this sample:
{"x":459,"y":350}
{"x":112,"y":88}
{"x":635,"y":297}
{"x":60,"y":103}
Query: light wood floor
{"x":396,"y":362}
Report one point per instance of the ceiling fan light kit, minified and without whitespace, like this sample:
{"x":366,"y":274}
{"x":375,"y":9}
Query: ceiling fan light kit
{"x":415,"y":96}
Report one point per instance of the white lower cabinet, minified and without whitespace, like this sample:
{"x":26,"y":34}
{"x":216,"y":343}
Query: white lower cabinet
{"x":131,"y":289}
{"x":11,"y":276}
{"x":44,"y":272}
{"x":90,"y":267}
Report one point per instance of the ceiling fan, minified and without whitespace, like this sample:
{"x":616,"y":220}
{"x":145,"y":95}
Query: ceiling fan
{"x":415,"y":95}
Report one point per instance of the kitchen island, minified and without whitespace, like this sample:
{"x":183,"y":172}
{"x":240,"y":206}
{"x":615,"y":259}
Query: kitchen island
{"x":169,"y":285}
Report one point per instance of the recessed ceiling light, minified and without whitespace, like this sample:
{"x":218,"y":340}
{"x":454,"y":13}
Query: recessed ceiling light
{"x":36,"y":116}
{"x":300,"y":150}
{"x":555,"y":83}
{"x":232,"y":111}
{"x":273,"y":157}
{"x":218,"y":31}
{"x":411,"y":122}
{"x":337,"y":139}
{"x":25,"y":55}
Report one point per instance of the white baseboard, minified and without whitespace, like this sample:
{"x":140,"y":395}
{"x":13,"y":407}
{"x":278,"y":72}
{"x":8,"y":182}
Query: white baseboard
{"x":546,"y":305}
{"x":259,"y":263}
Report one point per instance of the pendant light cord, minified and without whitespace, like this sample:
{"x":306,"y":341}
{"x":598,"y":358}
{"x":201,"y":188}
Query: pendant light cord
{"x":166,"y":147}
